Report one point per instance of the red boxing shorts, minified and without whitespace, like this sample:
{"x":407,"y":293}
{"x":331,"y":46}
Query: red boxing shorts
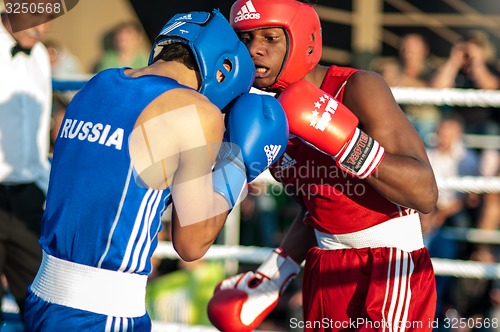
{"x":368,"y":289}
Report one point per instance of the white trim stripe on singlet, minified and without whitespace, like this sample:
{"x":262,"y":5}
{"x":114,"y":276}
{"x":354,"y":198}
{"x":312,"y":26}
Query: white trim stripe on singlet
{"x":134,"y":255}
{"x":135,"y":231}
{"x":138,"y":263}
{"x":145,"y":258}
{"x":142,"y":220}
{"x":117,"y":217}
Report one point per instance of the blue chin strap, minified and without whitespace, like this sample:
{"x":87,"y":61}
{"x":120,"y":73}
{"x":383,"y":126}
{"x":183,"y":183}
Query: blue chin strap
{"x":214,"y":44}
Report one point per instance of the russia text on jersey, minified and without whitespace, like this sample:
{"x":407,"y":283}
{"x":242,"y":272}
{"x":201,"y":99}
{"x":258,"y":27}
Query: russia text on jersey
{"x":92,"y":132}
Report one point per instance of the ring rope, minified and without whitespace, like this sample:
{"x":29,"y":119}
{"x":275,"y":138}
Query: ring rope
{"x":466,"y":269}
{"x":470,"y":184}
{"x":73,"y":82}
{"x":451,"y":97}
{"x":472,"y":235}
{"x":464,"y":184}
{"x":403,"y":95}
{"x":256,"y":255}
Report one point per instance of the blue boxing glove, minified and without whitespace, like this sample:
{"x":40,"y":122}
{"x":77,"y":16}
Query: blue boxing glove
{"x":256,"y":135}
{"x":258,"y":125}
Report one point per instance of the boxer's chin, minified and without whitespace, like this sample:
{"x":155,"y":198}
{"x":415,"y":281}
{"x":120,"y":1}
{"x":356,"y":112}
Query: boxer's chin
{"x":263,"y":83}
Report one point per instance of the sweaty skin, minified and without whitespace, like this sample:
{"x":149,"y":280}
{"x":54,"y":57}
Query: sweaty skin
{"x":154,"y":160}
{"x":404,"y":176}
{"x":193,"y":230}
{"x":178,"y":141}
{"x":267,"y":64}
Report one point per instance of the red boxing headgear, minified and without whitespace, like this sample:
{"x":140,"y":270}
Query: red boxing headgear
{"x":301,"y":24}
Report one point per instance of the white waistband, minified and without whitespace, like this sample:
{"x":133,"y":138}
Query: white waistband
{"x":83,"y":287}
{"x":404,"y":233}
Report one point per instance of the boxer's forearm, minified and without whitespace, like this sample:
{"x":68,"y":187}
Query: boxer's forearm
{"x":299,"y":238}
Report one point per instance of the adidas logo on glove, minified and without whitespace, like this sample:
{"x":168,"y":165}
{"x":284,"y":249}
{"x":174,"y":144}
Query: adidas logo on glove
{"x":271,"y":152}
{"x":247,"y":12}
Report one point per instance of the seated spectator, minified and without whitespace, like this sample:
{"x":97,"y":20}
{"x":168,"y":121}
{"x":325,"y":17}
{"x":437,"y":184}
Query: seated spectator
{"x":62,"y":61}
{"x":449,"y":158}
{"x":60,"y":102}
{"x":390,"y":69}
{"x":412,"y":68}
{"x":126,"y":48}
{"x":478,"y":299}
{"x":470,"y":66}
{"x":484,"y":294}
{"x":417,"y":70}
{"x":414,"y":57}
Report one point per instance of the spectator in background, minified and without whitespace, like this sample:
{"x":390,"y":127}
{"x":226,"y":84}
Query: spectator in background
{"x":59,"y":109}
{"x":487,"y":293}
{"x":25,"y":106}
{"x":477,"y":299}
{"x":126,"y":48}
{"x":470,"y":66}
{"x":413,"y":68}
{"x":390,"y":69}
{"x":449,"y":158}
{"x":417,"y":71}
{"x":64,"y":65}
{"x":62,"y":61}
{"x":414,"y":57}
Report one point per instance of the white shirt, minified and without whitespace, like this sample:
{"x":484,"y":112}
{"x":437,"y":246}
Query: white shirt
{"x":25,"y":113}
{"x":457,"y":162}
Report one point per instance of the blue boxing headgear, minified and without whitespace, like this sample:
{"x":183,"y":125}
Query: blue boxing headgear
{"x":213,"y":42}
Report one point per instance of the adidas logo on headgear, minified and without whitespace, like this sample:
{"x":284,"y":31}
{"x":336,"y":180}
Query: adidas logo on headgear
{"x":247,"y":12}
{"x":185,"y":17}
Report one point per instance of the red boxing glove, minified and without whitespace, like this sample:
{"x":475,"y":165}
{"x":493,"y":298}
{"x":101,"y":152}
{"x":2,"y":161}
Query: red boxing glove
{"x":240,"y":303}
{"x":330,"y":127}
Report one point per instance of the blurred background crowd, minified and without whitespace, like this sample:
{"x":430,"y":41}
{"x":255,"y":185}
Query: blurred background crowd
{"x":179,"y":291}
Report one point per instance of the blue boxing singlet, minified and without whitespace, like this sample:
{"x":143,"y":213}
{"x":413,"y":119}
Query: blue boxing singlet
{"x":100,"y":228}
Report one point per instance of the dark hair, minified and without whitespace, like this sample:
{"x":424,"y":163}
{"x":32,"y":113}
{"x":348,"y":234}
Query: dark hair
{"x":178,"y":52}
{"x":311,"y":2}
{"x":126,"y":25}
{"x":453,"y":117}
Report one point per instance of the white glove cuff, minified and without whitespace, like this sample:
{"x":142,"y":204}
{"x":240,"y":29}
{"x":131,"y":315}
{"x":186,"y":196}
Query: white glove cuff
{"x":361,"y":156}
{"x":279,"y":268}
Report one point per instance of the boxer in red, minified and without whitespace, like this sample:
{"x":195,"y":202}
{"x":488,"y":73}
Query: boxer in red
{"x":360,"y":172}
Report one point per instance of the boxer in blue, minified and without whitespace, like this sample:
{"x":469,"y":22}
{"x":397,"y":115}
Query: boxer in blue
{"x":182,"y":130}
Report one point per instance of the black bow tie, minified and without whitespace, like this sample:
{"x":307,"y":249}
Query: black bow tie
{"x":18,"y":48}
